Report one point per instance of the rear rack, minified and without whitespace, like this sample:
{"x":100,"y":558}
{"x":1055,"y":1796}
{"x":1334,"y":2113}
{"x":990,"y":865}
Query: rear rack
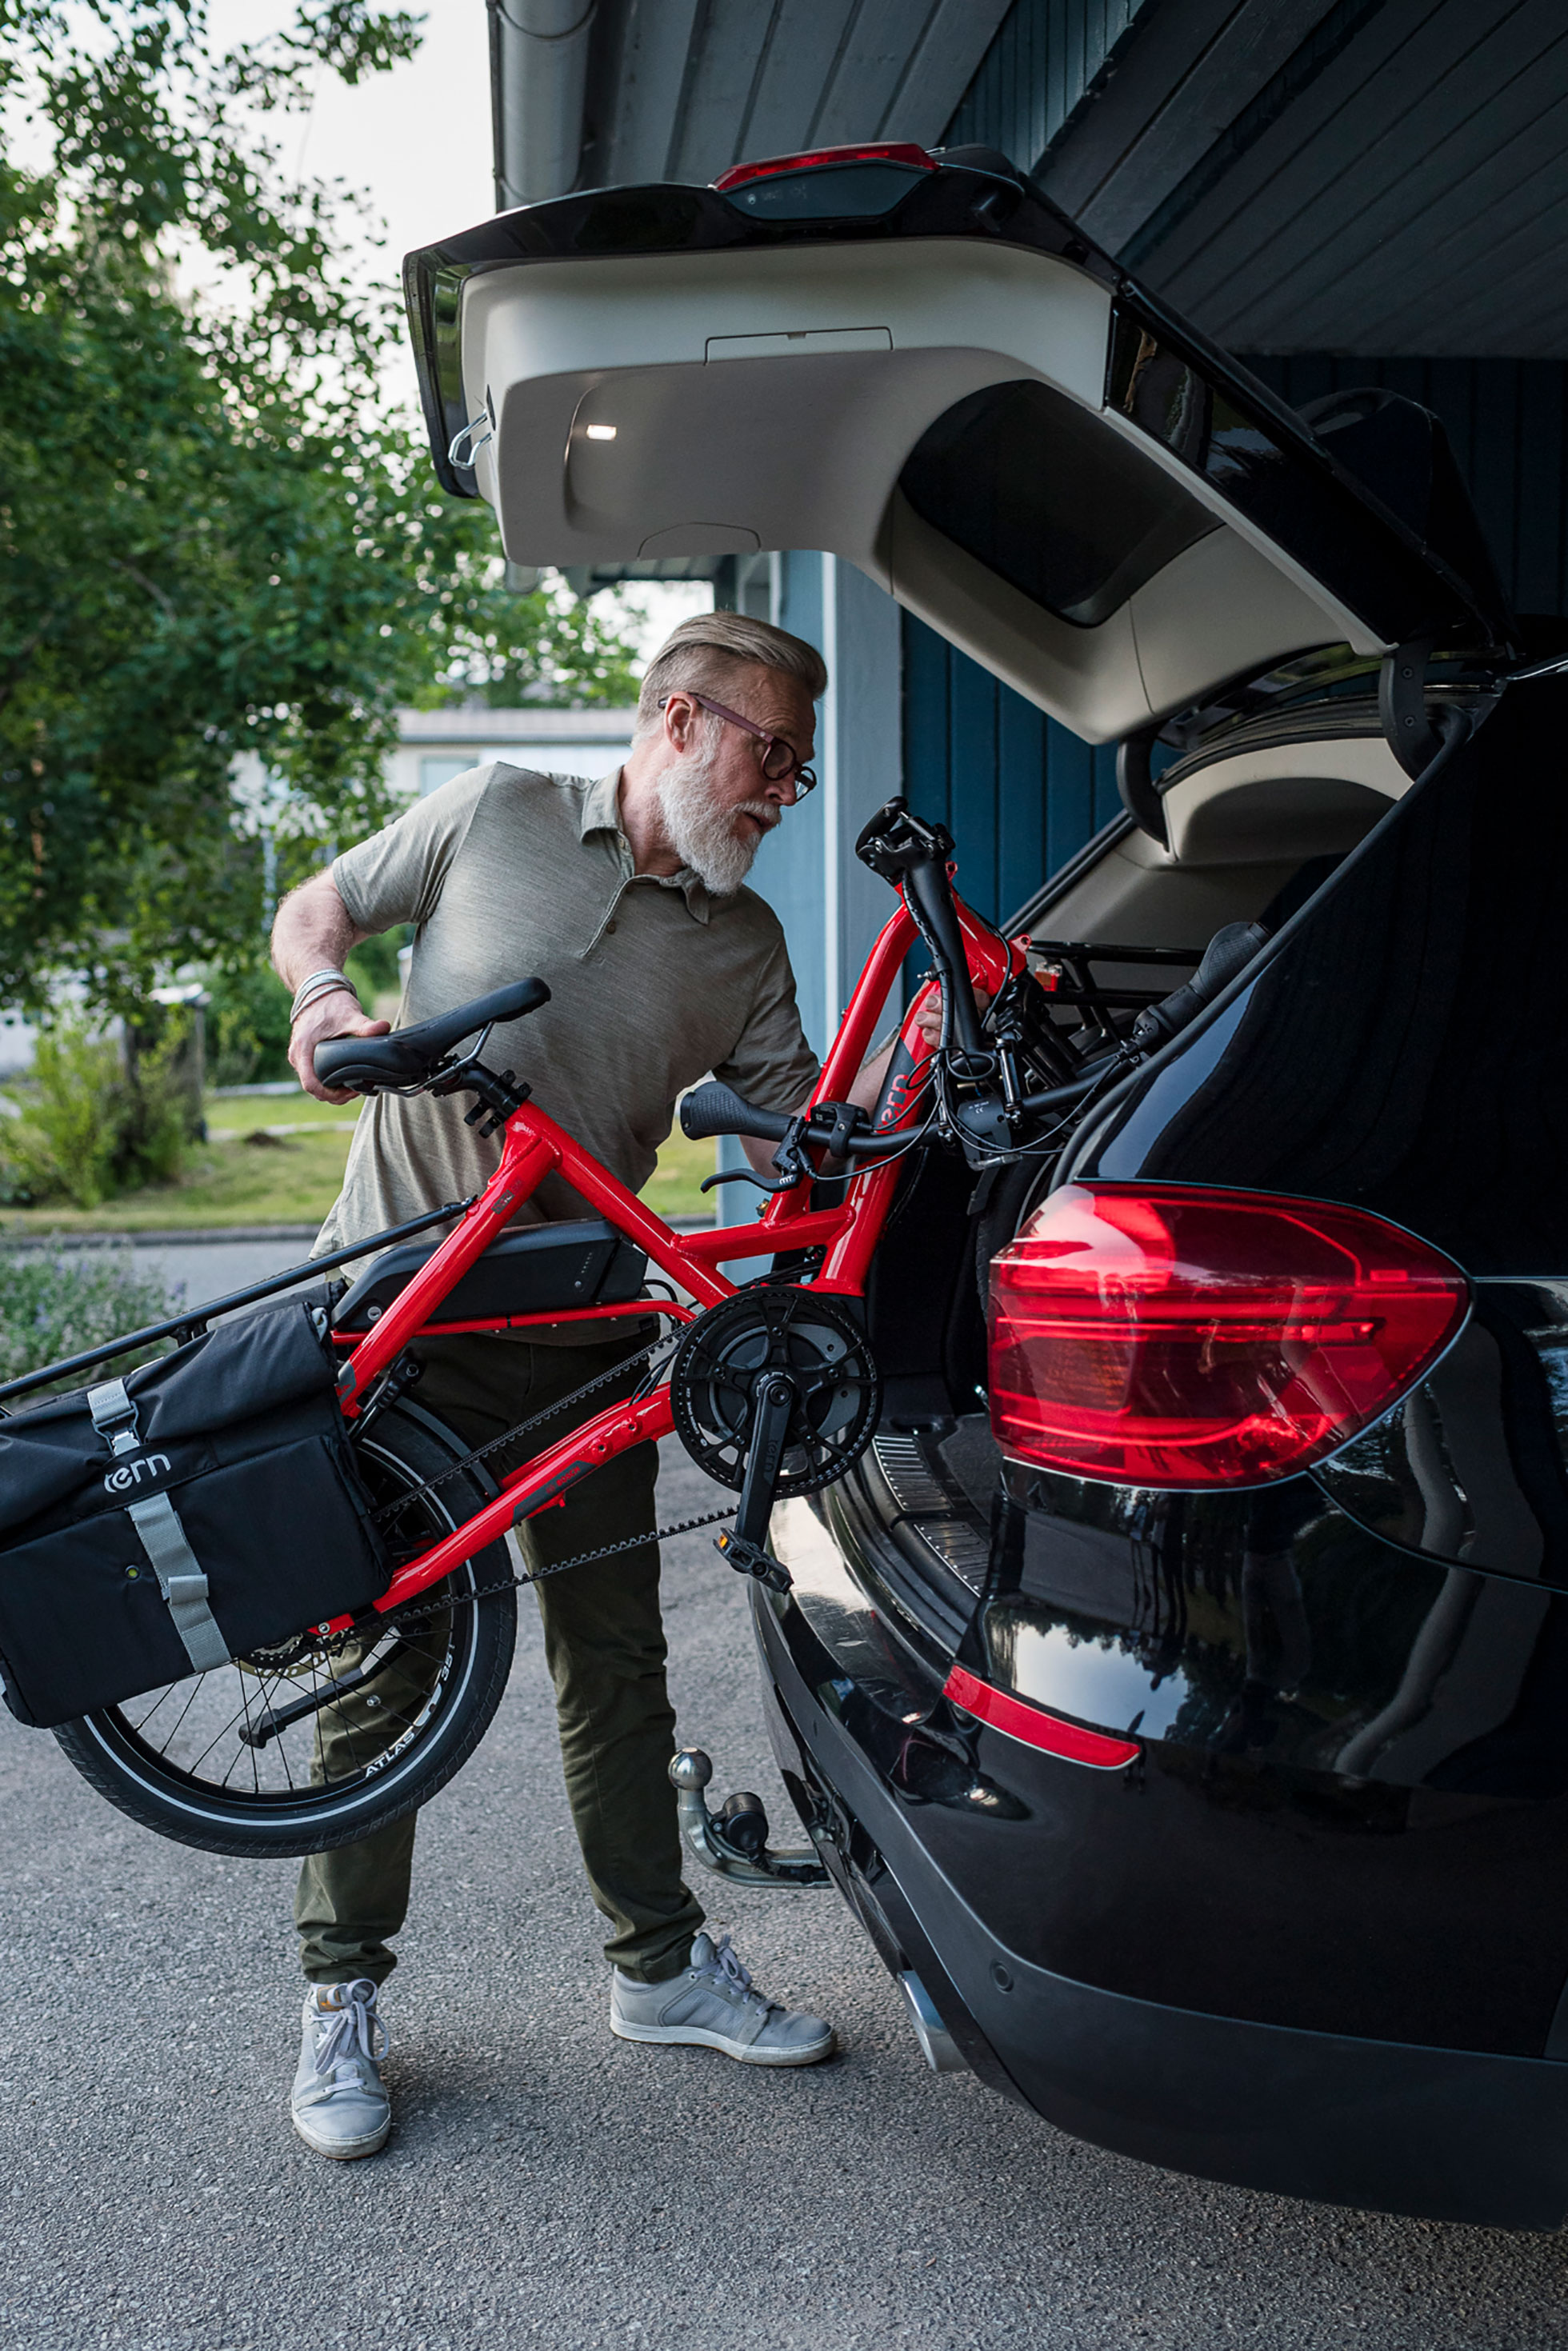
{"x":1066,"y":978}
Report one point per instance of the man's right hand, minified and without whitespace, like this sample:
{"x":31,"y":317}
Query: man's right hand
{"x":338,"y":1015}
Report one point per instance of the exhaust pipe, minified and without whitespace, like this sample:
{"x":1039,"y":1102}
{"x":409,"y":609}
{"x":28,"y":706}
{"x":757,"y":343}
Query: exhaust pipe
{"x":938,"y":2046}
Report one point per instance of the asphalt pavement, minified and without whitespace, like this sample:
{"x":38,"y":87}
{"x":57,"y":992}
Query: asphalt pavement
{"x":547,"y":2183}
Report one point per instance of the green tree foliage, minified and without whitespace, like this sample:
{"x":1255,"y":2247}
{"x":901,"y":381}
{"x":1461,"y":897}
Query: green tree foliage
{"x":214,"y":538}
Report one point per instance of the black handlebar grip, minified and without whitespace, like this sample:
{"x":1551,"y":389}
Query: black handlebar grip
{"x":715,"y":1108}
{"x":1230,"y":951}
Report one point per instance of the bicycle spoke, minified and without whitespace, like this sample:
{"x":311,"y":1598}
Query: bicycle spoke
{"x":184,"y":1711}
{"x":140,"y":1727}
{"x":222,"y":1732}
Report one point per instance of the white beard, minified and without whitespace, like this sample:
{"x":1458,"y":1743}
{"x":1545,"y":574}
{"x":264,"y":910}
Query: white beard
{"x":704,"y":835}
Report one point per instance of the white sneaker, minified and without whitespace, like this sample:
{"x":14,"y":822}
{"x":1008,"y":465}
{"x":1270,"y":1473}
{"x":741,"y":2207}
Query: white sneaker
{"x":712,"y":2004}
{"x":338,"y":2104}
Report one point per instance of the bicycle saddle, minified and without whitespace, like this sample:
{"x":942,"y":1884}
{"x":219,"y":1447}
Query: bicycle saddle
{"x":410,"y":1056}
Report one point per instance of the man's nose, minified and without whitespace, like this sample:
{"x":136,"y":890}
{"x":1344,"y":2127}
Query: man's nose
{"x":783,"y":791}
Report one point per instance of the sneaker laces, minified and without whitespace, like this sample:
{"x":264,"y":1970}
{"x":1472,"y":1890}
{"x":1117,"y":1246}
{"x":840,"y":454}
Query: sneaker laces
{"x":353,"y":2031}
{"x":725,"y":1965}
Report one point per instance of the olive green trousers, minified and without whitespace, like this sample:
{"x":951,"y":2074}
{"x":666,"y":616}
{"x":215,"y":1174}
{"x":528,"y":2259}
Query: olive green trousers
{"x":604,"y":1645}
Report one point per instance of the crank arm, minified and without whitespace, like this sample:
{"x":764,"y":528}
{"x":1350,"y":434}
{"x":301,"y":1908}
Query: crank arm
{"x":746,"y":1548}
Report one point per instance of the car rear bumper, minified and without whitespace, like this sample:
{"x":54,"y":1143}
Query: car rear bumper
{"x":1439,"y":2133}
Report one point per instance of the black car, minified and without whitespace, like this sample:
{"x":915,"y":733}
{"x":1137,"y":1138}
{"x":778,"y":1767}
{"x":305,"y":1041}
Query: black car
{"x":1177,"y":1690}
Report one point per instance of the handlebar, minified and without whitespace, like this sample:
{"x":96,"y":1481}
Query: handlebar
{"x":717,"y":1109}
{"x":911,"y":853}
{"x":931,"y":903}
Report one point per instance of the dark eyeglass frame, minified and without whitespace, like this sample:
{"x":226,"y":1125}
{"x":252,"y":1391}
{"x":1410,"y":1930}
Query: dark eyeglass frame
{"x":797,"y":771}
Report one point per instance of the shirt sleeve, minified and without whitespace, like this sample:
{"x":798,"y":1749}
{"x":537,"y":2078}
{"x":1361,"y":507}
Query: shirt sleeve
{"x":771,"y":1063}
{"x":397,"y":875}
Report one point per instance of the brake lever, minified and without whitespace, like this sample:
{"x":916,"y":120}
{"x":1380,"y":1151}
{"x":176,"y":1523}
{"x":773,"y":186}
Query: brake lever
{"x":749,"y":1175}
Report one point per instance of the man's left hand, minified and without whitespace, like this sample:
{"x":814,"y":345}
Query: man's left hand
{"x":928,"y":1020}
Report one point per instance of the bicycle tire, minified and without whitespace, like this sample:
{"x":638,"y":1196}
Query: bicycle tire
{"x":403,"y":1447}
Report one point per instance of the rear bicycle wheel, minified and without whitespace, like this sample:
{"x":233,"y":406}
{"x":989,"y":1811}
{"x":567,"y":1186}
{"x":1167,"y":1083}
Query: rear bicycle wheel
{"x":313,"y":1744}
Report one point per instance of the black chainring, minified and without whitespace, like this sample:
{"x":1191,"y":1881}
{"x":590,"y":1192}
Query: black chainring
{"x":805,"y":1333}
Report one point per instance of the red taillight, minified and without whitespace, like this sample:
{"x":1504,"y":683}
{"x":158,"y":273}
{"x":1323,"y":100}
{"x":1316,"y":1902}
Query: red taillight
{"x":1035,"y":1726}
{"x":898,"y":152}
{"x":1158,"y":1336}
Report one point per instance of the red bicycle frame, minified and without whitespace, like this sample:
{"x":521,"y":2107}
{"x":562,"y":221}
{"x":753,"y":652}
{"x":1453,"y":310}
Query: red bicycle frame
{"x":535,"y":1147}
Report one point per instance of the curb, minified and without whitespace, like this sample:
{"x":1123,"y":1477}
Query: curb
{"x":78,"y":1240}
{"x":216,"y":1235}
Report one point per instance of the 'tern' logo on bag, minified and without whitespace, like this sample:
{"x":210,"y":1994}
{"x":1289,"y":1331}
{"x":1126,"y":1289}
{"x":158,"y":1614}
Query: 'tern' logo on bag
{"x":130,"y":1473}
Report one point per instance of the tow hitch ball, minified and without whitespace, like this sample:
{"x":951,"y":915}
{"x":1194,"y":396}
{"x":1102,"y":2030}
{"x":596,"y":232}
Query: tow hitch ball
{"x":734,"y":1842}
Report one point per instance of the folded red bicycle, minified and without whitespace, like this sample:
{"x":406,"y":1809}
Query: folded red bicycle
{"x":261,"y":1595}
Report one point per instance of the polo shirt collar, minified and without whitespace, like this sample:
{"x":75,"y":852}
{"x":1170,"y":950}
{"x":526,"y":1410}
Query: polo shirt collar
{"x":600,"y":812}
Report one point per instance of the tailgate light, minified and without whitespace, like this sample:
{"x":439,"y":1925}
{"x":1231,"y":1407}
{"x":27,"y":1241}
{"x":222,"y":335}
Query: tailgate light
{"x":898,"y":152}
{"x":1019,"y":1719}
{"x":1166,"y":1336}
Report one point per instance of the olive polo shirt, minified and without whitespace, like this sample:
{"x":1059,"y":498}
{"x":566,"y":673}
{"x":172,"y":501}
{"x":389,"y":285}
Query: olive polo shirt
{"x":505,"y":874}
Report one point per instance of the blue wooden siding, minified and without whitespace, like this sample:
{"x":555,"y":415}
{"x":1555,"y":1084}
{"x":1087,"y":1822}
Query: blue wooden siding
{"x":1019,"y":792}
{"x":1507,"y":420}
{"x":790,"y":863}
{"x":1041,"y":65}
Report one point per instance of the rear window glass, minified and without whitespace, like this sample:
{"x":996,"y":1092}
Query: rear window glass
{"x":1035,"y":488}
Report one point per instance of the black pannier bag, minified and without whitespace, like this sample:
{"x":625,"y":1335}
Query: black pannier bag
{"x":203,"y":1507}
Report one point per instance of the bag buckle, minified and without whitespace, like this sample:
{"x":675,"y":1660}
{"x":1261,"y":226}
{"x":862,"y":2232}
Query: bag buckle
{"x":114,"y":1416}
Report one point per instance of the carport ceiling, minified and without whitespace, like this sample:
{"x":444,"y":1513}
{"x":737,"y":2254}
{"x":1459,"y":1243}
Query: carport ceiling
{"x":1375,"y":176}
{"x":680,"y":89}
{"x":1355,"y":176}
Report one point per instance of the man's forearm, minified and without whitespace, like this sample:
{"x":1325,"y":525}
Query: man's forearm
{"x":865,"y":1087}
{"x":313,"y":932}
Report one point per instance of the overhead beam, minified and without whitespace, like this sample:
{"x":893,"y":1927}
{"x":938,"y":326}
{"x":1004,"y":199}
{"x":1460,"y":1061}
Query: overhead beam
{"x":1190,"y":69}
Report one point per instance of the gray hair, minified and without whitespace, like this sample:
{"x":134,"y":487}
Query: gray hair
{"x":703,"y":653}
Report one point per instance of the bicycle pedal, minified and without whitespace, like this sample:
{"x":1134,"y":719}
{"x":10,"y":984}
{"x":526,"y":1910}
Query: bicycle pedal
{"x":750,"y":1558}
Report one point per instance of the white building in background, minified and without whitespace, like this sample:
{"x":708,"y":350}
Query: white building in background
{"x":433,"y":745}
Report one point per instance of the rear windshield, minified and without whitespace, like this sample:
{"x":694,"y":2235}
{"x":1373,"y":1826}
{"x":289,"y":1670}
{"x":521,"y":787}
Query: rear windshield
{"x":1036,"y":488}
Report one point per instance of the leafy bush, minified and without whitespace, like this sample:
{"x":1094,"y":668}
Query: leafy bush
{"x":84,"y":1127}
{"x":248,"y":1028}
{"x":373,"y":966}
{"x":52,"y":1306}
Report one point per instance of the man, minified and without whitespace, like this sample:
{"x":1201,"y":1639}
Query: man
{"x":626,"y":896}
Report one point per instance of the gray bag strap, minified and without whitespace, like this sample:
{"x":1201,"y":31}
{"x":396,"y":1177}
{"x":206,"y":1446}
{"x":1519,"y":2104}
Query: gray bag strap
{"x":180,"y":1580}
{"x":114,"y":1416}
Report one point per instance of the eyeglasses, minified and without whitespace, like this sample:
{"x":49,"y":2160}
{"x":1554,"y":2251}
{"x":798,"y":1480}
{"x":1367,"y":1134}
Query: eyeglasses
{"x":780,"y":761}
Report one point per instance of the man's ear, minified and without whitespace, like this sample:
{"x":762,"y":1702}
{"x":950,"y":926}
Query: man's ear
{"x":679,"y":715}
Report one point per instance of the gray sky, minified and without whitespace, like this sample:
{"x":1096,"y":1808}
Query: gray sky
{"x":416,"y":141}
